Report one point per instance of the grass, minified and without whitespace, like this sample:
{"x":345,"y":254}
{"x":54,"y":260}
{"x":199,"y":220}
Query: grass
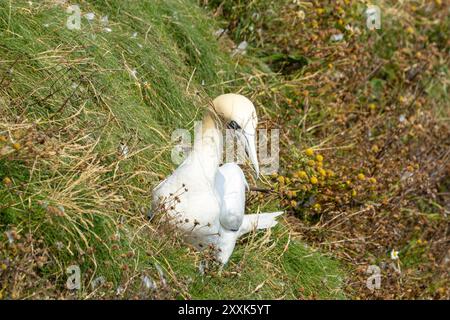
{"x":68,"y":100}
{"x":317,"y":276}
{"x":373,"y":103}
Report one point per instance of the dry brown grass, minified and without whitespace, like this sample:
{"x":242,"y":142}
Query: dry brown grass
{"x":375,"y":104}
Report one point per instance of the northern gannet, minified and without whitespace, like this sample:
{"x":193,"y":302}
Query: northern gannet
{"x":207,"y":202}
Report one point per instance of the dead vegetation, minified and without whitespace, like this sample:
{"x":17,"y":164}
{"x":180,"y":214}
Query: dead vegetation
{"x":366,"y":136}
{"x":85,"y":124}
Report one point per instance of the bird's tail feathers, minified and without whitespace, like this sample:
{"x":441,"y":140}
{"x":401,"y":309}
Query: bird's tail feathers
{"x":258,"y":221}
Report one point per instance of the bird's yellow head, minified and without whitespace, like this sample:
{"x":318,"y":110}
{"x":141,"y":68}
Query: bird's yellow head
{"x":239,"y":114}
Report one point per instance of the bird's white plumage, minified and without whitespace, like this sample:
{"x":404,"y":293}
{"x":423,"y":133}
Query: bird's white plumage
{"x":207,"y":202}
{"x":230,"y":184}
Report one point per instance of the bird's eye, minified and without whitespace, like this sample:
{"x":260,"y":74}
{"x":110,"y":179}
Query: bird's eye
{"x":233,"y":125}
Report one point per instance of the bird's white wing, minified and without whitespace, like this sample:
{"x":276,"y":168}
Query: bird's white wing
{"x":230,"y":185}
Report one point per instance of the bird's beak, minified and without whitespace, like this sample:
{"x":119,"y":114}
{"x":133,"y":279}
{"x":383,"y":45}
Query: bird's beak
{"x":250,"y":149}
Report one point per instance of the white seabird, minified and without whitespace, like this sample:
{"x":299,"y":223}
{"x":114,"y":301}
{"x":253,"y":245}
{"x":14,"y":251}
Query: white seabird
{"x":207,"y":202}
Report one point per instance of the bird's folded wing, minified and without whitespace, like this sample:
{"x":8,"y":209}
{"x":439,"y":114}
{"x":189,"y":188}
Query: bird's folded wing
{"x":230,"y":185}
